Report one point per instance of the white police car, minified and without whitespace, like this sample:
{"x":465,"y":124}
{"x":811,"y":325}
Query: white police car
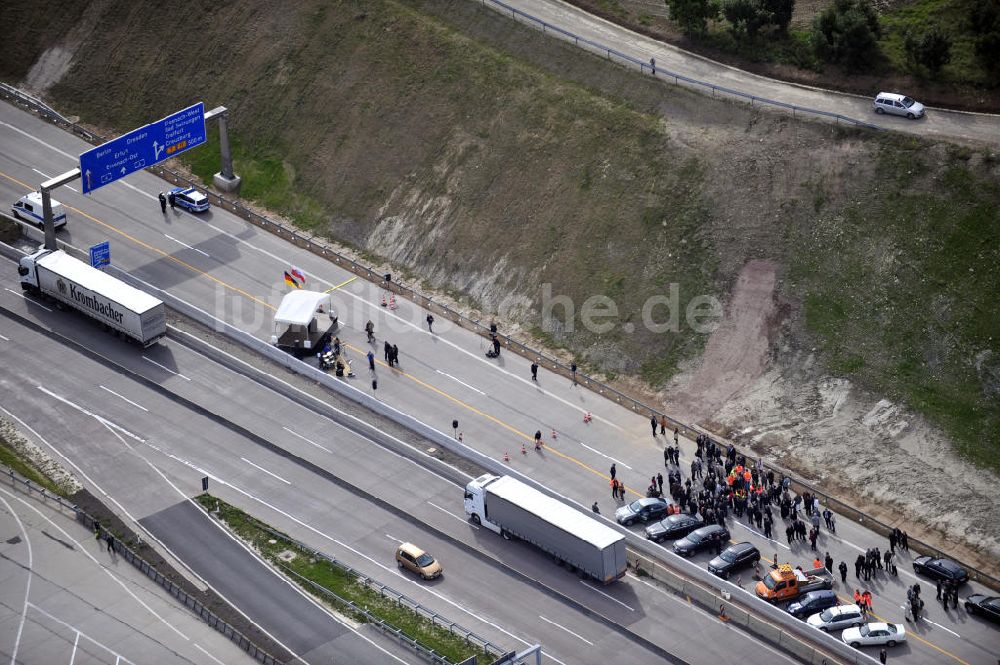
{"x":29,"y":208}
{"x":190,"y":198}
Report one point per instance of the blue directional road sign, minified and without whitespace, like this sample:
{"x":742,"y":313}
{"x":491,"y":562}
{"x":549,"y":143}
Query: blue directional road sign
{"x":100,"y":255}
{"x":143,"y":147}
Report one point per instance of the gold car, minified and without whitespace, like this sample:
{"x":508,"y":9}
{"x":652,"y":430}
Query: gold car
{"x":413,"y":558}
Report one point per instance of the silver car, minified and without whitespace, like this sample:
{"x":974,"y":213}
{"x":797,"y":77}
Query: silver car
{"x":890,"y":102}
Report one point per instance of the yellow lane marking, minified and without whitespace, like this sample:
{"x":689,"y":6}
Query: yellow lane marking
{"x":440,"y":392}
{"x":344,"y":283}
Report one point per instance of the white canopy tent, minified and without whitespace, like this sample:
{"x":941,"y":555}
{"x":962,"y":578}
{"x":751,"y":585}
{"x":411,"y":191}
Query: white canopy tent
{"x":299,"y":307}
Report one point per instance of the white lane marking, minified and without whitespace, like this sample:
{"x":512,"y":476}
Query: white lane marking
{"x":76,"y":642}
{"x":165,"y":368}
{"x":117,"y":436}
{"x":281,"y":577}
{"x":74,"y":158}
{"x":942,"y":627}
{"x":138,"y":406}
{"x":44,"y":175}
{"x":31,"y":300}
{"x":198,"y":647}
{"x":180,"y":242}
{"x":609,"y":597}
{"x":617,"y":462}
{"x":457,"y":380}
{"x":118,"y":657}
{"x":94,"y":561}
{"x":6,"y":339}
{"x":100,"y":419}
{"x":756,"y":532}
{"x":392,"y":537}
{"x":274,"y":475}
{"x":27,"y":587}
{"x":576,"y":635}
{"x":451,"y":514}
{"x":305,"y":439}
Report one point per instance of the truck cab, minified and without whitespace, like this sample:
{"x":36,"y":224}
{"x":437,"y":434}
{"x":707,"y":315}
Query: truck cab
{"x":475,"y":505}
{"x":29,"y":209}
{"x":27,"y":271}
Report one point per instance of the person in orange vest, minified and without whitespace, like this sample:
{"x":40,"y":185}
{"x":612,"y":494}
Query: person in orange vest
{"x":817,"y":564}
{"x":747,"y":476}
{"x":866,"y":598}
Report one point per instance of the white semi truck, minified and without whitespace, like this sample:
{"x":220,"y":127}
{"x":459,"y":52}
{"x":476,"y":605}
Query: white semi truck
{"x":123,"y":308}
{"x":513,"y":509}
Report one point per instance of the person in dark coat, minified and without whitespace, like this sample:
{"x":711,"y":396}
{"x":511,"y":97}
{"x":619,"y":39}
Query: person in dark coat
{"x":843,"y":571}
{"x":163,"y":202}
{"x":388,"y":353}
{"x":395,"y":354}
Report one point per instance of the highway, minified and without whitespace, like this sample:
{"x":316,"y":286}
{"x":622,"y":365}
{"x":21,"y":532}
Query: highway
{"x":143,"y":445}
{"x":234,"y":271}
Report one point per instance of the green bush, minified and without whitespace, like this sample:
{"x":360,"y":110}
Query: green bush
{"x":780,"y":12}
{"x":930,"y":50}
{"x":847,"y":33}
{"x":693,"y":15}
{"x":745,"y":16}
{"x":984,"y":21}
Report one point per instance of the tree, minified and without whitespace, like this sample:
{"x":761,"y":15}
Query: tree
{"x":693,"y":15}
{"x":745,"y":15}
{"x":984,"y":20}
{"x":847,"y":33}
{"x":780,"y":12}
{"x":932,"y":49}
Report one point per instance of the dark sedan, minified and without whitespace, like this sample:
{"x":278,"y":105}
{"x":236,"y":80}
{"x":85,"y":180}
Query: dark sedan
{"x":641,"y":510}
{"x":984,"y":606}
{"x":945,"y":570}
{"x":701,"y":539}
{"x":673,"y":527}
{"x":733,"y":558}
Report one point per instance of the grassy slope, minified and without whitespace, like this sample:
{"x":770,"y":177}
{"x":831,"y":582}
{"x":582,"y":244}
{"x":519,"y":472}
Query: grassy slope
{"x":349,"y":113}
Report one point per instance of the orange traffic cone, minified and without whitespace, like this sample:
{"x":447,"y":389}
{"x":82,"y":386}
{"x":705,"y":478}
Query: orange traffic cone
{"x":587,"y":417}
{"x":460,"y":436}
{"x":506,"y":457}
{"x":383,"y":300}
{"x":554,"y":436}
{"x":524,"y":451}
{"x":392,"y":301}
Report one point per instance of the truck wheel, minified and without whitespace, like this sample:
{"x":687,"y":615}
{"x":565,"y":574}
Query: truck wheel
{"x":475,"y":519}
{"x":503,"y":532}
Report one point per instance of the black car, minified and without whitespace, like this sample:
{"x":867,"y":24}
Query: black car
{"x":673,"y":527}
{"x":700,"y":539}
{"x":641,"y":510}
{"x":984,"y":606}
{"x":945,"y":570}
{"x":733,"y":558}
{"x":813,"y":602}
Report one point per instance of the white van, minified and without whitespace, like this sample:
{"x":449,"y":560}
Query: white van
{"x":29,"y":208}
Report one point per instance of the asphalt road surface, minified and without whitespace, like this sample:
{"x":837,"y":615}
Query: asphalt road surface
{"x":234,"y":271}
{"x":65,"y":599}
{"x":504,"y":591}
{"x":938,"y":123}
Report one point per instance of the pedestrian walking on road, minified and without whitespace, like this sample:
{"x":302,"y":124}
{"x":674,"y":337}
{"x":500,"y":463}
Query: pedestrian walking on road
{"x":614,"y":489}
{"x":388,"y":353}
{"x":882,"y":656}
{"x":538,"y":439}
{"x":621,"y":490}
{"x":371,"y":361}
{"x":111,"y":542}
{"x":829,"y":563}
{"x":534,"y":371}
{"x":395,"y":355}
{"x":676,"y":437}
{"x":613,"y":471}
{"x":866,"y":598}
{"x":659,"y":482}
{"x":843,"y":572}
{"x":833,"y":523}
{"x":430,"y":323}
{"x":163,"y":202}
{"x":904,"y":542}
{"x":940,"y":585}
{"x":652,"y":423}
{"x":171,"y":199}
{"x":663,"y":424}
{"x":815,"y":521}
{"x":666,"y":456}
{"x":597,"y":511}
{"x":572,"y":371}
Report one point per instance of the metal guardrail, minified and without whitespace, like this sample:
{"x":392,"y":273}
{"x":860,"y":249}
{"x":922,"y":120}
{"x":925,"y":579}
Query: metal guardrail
{"x":397,"y":598}
{"x":120,"y":548}
{"x":659,"y":72}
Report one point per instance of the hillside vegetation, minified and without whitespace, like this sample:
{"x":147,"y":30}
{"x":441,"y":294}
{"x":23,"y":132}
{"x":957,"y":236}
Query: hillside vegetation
{"x":489,"y":160}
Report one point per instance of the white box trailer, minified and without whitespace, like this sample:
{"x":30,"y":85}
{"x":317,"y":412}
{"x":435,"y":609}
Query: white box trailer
{"x":513,"y":509}
{"x":121,"y":307}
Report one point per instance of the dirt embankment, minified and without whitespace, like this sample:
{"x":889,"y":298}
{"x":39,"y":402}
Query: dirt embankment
{"x":489,"y":160}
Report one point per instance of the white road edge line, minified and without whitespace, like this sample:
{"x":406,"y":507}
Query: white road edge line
{"x":100,"y":419}
{"x":199,"y":648}
{"x":31,"y":300}
{"x":609,"y":597}
{"x":392,"y":537}
{"x":618,"y":462}
{"x":942,"y":627}
{"x":138,"y":406}
{"x":27,"y":587}
{"x":451,"y":514}
{"x":118,"y":656}
{"x":457,"y":380}
{"x":165,"y":368}
{"x":576,"y":635}
{"x":6,"y":339}
{"x":305,"y":439}
{"x":257,"y":466}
